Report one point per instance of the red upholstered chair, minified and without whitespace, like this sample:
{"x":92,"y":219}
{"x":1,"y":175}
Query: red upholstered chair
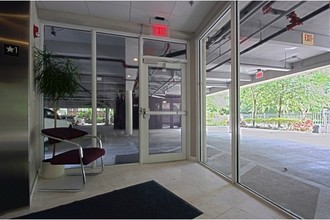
{"x":77,"y":155}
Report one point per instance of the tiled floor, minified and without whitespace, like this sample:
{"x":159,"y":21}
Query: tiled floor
{"x":191,"y":181}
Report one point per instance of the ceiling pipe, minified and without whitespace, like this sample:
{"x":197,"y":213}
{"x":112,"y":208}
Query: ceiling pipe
{"x":245,"y":14}
{"x":273,"y":21}
{"x":159,"y":88}
{"x":123,"y":63}
{"x":176,"y":53}
{"x":249,"y":15}
{"x":283,"y":69}
{"x":263,"y":28}
{"x":287,"y":28}
{"x":168,"y":81}
{"x":227,"y":26}
{"x":100,"y":102}
{"x":217,"y":47}
{"x":172,"y":85}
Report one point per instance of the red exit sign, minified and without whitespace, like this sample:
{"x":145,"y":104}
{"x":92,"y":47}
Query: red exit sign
{"x":159,"y":30}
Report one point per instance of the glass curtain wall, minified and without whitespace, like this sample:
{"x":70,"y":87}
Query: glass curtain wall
{"x":117,"y":97}
{"x":117,"y":72}
{"x":217,"y":78}
{"x":286,"y":162}
{"x":284,"y":104}
{"x":75,"y":45}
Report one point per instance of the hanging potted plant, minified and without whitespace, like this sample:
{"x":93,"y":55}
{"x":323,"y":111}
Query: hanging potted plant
{"x":56,"y":78}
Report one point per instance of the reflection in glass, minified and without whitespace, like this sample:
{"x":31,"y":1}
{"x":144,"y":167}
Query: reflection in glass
{"x":164,"y":97}
{"x":217,"y":149}
{"x":281,"y":153}
{"x":71,"y":110}
{"x":160,"y":48}
{"x":117,"y":71}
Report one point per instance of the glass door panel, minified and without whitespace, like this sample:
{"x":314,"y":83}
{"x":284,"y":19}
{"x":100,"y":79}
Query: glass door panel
{"x":117,"y":118}
{"x":164,"y":90}
{"x":162,"y":112}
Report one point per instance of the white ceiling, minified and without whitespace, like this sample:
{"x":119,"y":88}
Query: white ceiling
{"x":181,"y":15}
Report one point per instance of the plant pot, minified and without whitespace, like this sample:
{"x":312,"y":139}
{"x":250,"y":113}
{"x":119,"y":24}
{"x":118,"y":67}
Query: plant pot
{"x":51,"y":171}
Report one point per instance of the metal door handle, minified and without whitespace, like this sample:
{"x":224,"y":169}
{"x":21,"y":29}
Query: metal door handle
{"x":143,"y":111}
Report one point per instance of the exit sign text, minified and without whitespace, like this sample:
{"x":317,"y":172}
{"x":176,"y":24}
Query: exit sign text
{"x":159,"y":30}
{"x":308,"y":39}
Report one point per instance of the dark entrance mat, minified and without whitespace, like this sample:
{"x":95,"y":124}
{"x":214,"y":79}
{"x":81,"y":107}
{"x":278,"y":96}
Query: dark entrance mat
{"x":148,"y":200}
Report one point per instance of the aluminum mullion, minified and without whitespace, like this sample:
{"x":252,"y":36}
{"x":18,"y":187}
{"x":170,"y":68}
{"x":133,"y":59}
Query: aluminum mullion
{"x":94,"y":84}
{"x":235,"y":68}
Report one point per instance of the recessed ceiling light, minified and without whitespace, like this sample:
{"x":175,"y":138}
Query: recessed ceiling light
{"x":128,"y":76}
{"x":135,"y":59}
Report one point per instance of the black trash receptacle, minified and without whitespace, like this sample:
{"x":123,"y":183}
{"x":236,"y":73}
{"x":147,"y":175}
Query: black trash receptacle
{"x":316,"y":129}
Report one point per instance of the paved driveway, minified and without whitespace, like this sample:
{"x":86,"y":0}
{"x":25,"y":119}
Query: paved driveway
{"x":278,"y":163}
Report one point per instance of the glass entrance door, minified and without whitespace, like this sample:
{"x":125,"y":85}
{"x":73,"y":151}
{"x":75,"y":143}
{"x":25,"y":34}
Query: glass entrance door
{"x":162,"y":109}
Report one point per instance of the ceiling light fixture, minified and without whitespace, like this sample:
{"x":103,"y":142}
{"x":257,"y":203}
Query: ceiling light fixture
{"x":135,"y":59}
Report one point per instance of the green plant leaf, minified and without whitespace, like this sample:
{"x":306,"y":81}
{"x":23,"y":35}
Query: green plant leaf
{"x":56,"y":77}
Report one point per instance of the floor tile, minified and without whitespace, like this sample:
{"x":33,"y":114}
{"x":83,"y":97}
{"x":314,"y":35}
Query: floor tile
{"x":191,"y":181}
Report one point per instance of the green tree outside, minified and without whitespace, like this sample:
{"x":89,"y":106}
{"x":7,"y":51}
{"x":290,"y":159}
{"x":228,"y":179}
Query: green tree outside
{"x":303,"y":94}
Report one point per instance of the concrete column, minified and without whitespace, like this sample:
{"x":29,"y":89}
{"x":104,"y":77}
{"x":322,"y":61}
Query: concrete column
{"x":129,"y":111}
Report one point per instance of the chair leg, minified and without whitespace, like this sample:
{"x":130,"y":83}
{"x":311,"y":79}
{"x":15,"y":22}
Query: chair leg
{"x":83,"y":174}
{"x":82,"y":168}
{"x":67,"y":190}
